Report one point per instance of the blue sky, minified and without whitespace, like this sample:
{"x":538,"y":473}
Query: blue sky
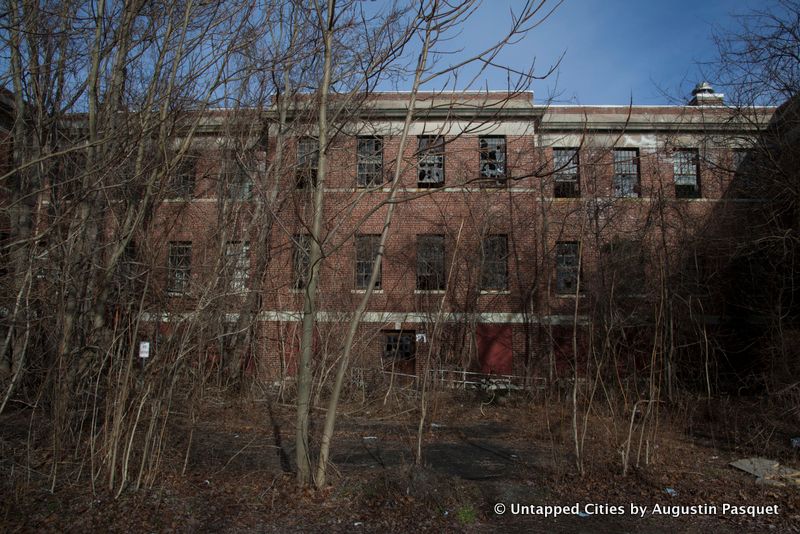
{"x":615,"y":50}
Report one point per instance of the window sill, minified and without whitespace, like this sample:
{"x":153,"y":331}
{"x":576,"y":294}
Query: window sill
{"x":362,"y":291}
{"x":495,"y":292}
{"x":570,"y":295}
{"x":429,"y":291}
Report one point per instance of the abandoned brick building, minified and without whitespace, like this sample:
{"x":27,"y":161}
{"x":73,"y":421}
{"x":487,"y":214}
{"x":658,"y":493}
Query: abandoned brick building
{"x":517,"y":226}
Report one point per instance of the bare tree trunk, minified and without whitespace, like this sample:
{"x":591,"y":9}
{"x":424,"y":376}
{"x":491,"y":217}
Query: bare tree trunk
{"x":303,"y":456}
{"x":355,"y":320}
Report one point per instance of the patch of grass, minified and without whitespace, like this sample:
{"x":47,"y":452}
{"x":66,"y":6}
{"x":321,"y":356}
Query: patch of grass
{"x":466,"y":514}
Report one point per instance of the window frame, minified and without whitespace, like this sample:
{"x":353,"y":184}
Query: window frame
{"x":430,"y":159}
{"x":431,"y":262}
{"x":179,"y":268}
{"x":369,"y":163}
{"x":680,"y":163}
{"x":307,"y":162}
{"x":488,"y":177}
{"x":393,"y":342}
{"x":184,"y":179}
{"x":567,"y":271}
{"x":237,"y":262}
{"x":491,"y":267}
{"x":566,"y":172}
{"x":301,"y":254}
{"x":363,"y":266}
{"x":625,"y":171}
{"x":239,"y":182}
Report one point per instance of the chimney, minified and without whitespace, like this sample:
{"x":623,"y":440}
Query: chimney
{"x":704,"y":95}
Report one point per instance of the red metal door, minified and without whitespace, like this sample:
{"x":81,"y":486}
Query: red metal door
{"x":494,"y":348}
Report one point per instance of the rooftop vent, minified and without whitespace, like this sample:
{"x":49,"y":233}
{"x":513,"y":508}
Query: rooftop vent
{"x":703,"y":94}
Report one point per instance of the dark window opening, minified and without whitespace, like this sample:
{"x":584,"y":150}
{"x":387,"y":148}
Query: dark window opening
{"x":239,"y":183}
{"x":183,"y":179}
{"x":179,"y":267}
{"x":307,"y":162}
{"x":494,"y":262}
{"x":624,"y":262}
{"x":300,"y":260}
{"x":567,"y":267}
{"x":399,"y":345}
{"x":430,"y":262}
{"x":742,"y":167}
{"x":366,"y":252}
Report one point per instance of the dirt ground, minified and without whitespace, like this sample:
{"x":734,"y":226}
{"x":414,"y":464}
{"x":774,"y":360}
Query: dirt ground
{"x":514,"y":451}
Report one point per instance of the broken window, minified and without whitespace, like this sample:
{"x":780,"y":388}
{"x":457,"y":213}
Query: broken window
{"x":626,"y":172}
{"x":431,"y":161}
{"x":565,"y":173}
{"x":685,"y":164}
{"x":430,"y":262}
{"x":183,"y":178}
{"x":300,"y":260}
{"x":370,"y":161}
{"x":307,"y":161}
{"x":567,"y":266}
{"x":366,"y":251}
{"x":493,"y":160}
{"x":237,"y":261}
{"x":399,"y":344}
{"x":494,"y":262}
{"x":179,"y":267}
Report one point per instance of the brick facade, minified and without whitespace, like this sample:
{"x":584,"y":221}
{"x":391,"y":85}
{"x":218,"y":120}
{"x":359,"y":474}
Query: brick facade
{"x":518,"y":329}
